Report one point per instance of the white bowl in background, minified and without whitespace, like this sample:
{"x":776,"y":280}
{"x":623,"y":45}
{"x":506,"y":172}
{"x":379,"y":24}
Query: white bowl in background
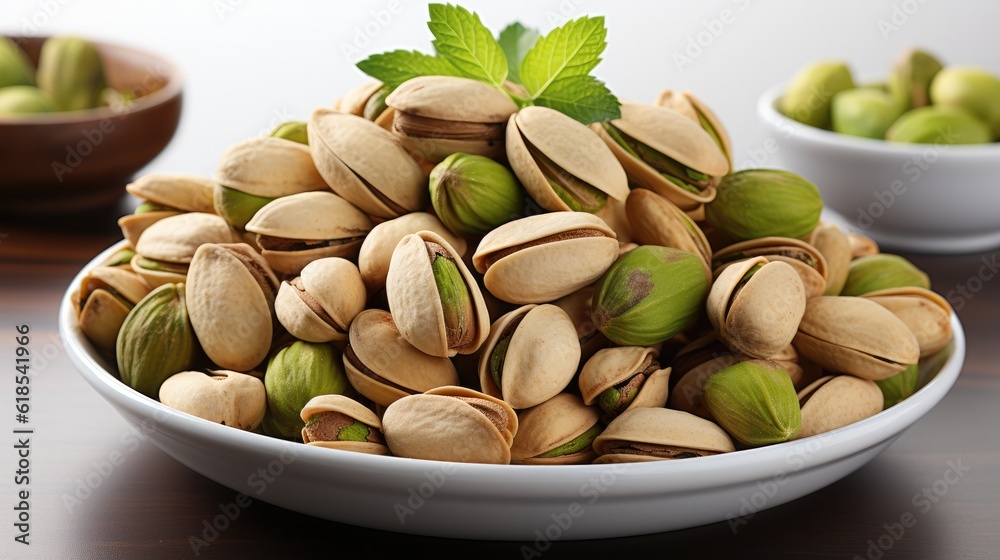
{"x":918,"y":197}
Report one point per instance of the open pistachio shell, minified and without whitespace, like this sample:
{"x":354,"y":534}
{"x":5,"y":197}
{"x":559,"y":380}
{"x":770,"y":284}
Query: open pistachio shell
{"x":105,"y":297}
{"x":578,"y":306}
{"x":657,"y":221}
{"x":926,"y":313}
{"x":225,"y":397}
{"x":657,"y":434}
{"x":354,"y":101}
{"x":807,"y":261}
{"x":294,"y":230}
{"x":833,"y":402}
{"x":230,"y":298}
{"x":132,"y":225}
{"x":320,"y":304}
{"x":422,"y":306}
{"x":835,"y":246}
{"x":339,"y":422}
{"x":270,"y":167}
{"x":544,"y":257}
{"x":556,"y":432}
{"x":856,"y":336}
{"x":685,"y":103}
{"x":756,"y":306}
{"x":624,"y":378}
{"x":366,"y":165}
{"x":376,"y":251}
{"x":862,"y":245}
{"x":384,"y":367}
{"x":187,"y":193}
{"x":534,"y":353}
{"x":165,"y":248}
{"x":561,"y":163}
{"x":451,"y":424}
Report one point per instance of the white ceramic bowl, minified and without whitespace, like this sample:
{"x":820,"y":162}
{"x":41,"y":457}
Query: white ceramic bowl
{"x":531,"y":503}
{"x":917,"y":197}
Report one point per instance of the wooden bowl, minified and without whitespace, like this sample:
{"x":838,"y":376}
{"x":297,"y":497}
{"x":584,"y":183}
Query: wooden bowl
{"x":76,"y":161}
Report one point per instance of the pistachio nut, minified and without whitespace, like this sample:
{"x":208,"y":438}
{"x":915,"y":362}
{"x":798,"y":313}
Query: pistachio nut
{"x":231,"y":301}
{"x":339,"y":422}
{"x":384,"y":367}
{"x":835,"y":246}
{"x":71,"y":71}
{"x":545,"y":257}
{"x":366,"y":165}
{"x":865,"y":112}
{"x":623,"y":378}
{"x":451,"y":424}
{"x":666,"y":152}
{"x":165,"y":248}
{"x":658,"y":434}
{"x":531,"y":355}
{"x":808,"y":97}
{"x":756,"y":203}
{"x":183,"y":193}
{"x":862,"y":245}
{"x":294,"y":230}
{"x":756,"y":305}
{"x":22,"y":100}
{"x":912,"y":74}
{"x":367,"y":100}
{"x":693,"y":364}
{"x":855,"y":336}
{"x":15,"y":68}
{"x":269,"y":167}
{"x":880,"y":272}
{"x":237,"y":207}
{"x":559,"y":431}
{"x":754,"y":401}
{"x":320,"y":303}
{"x":939,"y":124}
{"x":836,"y":401}
{"x":648,"y":295}
{"x":122,"y":258}
{"x":927,"y":314}
{"x":473,"y":195}
{"x":899,"y":387}
{"x":105,"y":297}
{"x":224,"y":397}
{"x":807,"y":261}
{"x":973,"y":89}
{"x":156,"y":340}
{"x":295,"y":131}
{"x":578,"y":306}
{"x":657,"y":221}
{"x":437,"y":116}
{"x":562,"y":163}
{"x":685,"y":103}
{"x":295,"y":374}
{"x":433,"y":297}
{"x":376,"y":251}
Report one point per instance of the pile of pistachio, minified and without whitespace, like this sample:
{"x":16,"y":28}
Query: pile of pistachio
{"x":436,"y":274}
{"x":922,"y":102}
{"x":70,"y":77}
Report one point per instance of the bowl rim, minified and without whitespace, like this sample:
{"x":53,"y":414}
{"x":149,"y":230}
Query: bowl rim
{"x":545,"y":481}
{"x":173,"y":87}
{"x":769,"y":114}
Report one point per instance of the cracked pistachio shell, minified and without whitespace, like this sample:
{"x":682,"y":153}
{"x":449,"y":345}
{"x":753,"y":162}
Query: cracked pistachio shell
{"x":384,"y":367}
{"x":972,"y":89}
{"x":188,"y":193}
{"x":376,"y":251}
{"x":106,"y":296}
{"x":807,"y":98}
{"x":578,"y":306}
{"x":269,"y":167}
{"x":295,"y":230}
{"x":132,"y":225}
{"x":366,"y":165}
{"x":224,"y":397}
{"x":560,"y":421}
{"x":535,"y":353}
{"x":679,"y":139}
{"x":563,"y":164}
{"x":451,"y":424}
{"x":807,"y":261}
{"x":295,"y":374}
{"x":855,"y":336}
{"x":367,"y":100}
{"x":544,"y":257}
{"x":616,"y":369}
{"x":373,"y":443}
{"x":320,"y":304}
{"x":912,"y":74}
{"x":685,"y":103}
{"x":756,"y":203}
{"x":899,"y":387}
{"x":756,"y":306}
{"x":165,"y":248}
{"x":926,"y":313}
{"x":437,"y":116}
{"x":836,"y":401}
{"x":657,"y":221}
{"x":835,"y":246}
{"x":881,"y":272}
{"x":657,"y":434}
{"x":415,"y":299}
{"x":231,"y":299}
{"x":754,"y":401}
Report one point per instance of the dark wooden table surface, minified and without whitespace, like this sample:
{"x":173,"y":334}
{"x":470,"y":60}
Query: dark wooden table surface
{"x":148,"y":505}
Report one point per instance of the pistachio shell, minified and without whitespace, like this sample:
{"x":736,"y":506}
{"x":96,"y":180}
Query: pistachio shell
{"x":611,"y":367}
{"x":837,"y":401}
{"x":354,"y":101}
{"x":578,"y":306}
{"x":376,"y":251}
{"x":671,"y":434}
{"x":183,"y":192}
{"x":270,"y":167}
{"x":807,"y":261}
{"x":320,"y":305}
{"x":159,"y":276}
{"x":352,"y":409}
{"x":550,"y":425}
{"x":880,"y":272}
{"x":862,"y":245}
{"x":106,"y":296}
{"x":132,"y":225}
{"x":926,"y":314}
{"x":835,"y":246}
{"x":224,"y":397}
{"x":176,"y":238}
{"x":657,"y":221}
{"x":295,"y":374}
{"x":687,"y":104}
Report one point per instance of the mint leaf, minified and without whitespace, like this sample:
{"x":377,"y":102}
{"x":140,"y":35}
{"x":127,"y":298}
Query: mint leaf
{"x":395,"y":67}
{"x":516,"y":40}
{"x":584,"y":98}
{"x":571,"y":50}
{"x":462,"y":39}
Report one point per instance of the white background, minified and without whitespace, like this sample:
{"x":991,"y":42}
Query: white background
{"x":250,"y":64}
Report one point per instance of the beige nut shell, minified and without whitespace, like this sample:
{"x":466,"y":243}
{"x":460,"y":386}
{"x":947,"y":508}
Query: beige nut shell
{"x":176,"y":238}
{"x":270,"y":167}
{"x":100,"y":313}
{"x":927,"y":314}
{"x":814,"y":276}
{"x":348,"y":407}
{"x":132,"y":225}
{"x":661,"y":426}
{"x":188,"y":193}
{"x":655,"y":220}
{"x":549,"y":425}
{"x":225,"y":397}
{"x":611,"y":366}
{"x":693,"y":108}
{"x":451,"y":99}
{"x":376,"y":251}
{"x":336,"y":285}
{"x":835,"y":246}
{"x":836,"y":401}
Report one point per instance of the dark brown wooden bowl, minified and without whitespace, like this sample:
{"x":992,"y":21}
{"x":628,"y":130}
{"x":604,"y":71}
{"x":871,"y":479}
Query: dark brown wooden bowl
{"x":77,"y":161}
